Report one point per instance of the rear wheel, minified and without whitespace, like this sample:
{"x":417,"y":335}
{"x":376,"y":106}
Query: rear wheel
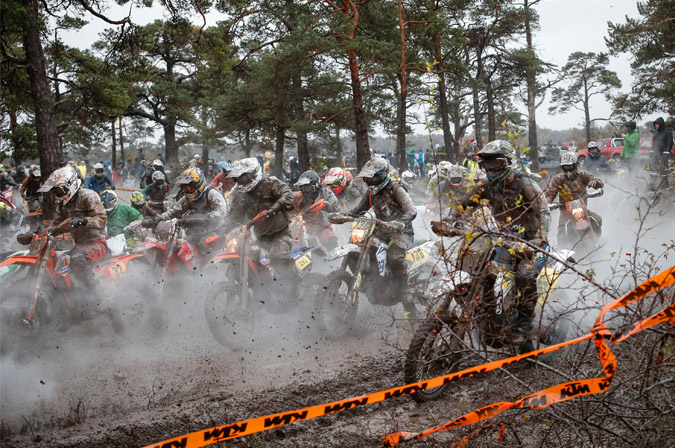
{"x":336,"y":309}
{"x":437,"y":349}
{"x":231,"y":324}
{"x":25,"y":322}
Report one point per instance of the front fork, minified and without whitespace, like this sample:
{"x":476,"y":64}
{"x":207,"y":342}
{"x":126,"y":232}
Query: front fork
{"x":243,"y":272}
{"x":358,"y":272}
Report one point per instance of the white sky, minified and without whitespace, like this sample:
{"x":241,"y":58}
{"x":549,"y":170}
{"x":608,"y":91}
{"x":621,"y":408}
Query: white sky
{"x":566,"y":26}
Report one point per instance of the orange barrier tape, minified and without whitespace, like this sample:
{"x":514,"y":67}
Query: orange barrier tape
{"x":126,"y":189}
{"x":567,"y":391}
{"x":537,"y":400}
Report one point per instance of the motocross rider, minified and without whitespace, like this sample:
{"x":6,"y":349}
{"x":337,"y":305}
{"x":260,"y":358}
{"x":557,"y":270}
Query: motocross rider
{"x":390,"y":202}
{"x":341,"y":184}
{"x":119,"y":215}
{"x":30,"y":186}
{"x":221,"y":182}
{"x":452,"y":189}
{"x":197,"y":200}
{"x":20,"y":175}
{"x":155,"y":192}
{"x":138,"y":202}
{"x":80,"y":212}
{"x":270,"y":198}
{"x":6,"y":180}
{"x":596,"y":162}
{"x":571,"y":184}
{"x":98,"y":181}
{"x":517,"y":207}
{"x":311,"y":189}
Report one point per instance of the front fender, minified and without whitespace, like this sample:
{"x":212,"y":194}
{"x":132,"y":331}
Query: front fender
{"x":116,"y":267}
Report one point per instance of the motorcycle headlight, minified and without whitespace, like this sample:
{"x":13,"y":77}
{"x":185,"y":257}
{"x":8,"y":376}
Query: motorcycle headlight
{"x":233,"y":245}
{"x":358,"y":235}
{"x":578,"y":213}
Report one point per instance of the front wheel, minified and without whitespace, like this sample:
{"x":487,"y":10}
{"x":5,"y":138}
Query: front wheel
{"x":336,"y":308}
{"x":25,"y":321}
{"x":231,"y":324}
{"x":437,"y":349}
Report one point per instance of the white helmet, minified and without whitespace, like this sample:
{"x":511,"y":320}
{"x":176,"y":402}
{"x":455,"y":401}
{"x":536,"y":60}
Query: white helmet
{"x":64,"y":182}
{"x":444,"y":168}
{"x":98,"y":169}
{"x":158,"y":175}
{"x":157,"y":163}
{"x":247,"y":166}
{"x":456,"y":175}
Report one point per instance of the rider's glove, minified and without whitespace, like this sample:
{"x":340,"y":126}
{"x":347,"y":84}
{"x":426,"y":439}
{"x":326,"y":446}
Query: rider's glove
{"x":594,"y":184}
{"x":440,"y":227}
{"x":78,"y":222}
{"x":112,"y":187}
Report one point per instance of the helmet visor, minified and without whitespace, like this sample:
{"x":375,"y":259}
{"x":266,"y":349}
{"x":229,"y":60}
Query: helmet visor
{"x":189,"y":188}
{"x":59,"y":192}
{"x":493,"y":164}
{"x":568,"y":168}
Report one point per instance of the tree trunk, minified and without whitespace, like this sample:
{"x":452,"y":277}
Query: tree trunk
{"x":448,"y":138}
{"x":114,"y":146}
{"x":360,"y":123}
{"x":531,"y":79}
{"x":587,"y":113}
{"x":247,"y":144}
{"x":49,"y":149}
{"x":279,"y":152}
{"x":400,"y":128}
{"x":171,"y":145}
{"x":123,"y":160}
{"x":299,"y":113}
{"x":476,"y":114}
{"x":491,"y":116}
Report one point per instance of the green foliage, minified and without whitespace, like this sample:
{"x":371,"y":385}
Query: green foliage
{"x":649,"y":40}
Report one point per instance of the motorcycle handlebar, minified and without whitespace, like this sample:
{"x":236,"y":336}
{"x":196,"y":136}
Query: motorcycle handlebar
{"x":557,"y":205}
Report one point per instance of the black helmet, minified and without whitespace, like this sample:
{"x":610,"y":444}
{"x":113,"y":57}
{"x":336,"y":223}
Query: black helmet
{"x":495,"y":158}
{"x":310,"y":184}
{"x":21,"y":169}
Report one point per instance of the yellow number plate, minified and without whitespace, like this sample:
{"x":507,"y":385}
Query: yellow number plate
{"x":304,"y":261}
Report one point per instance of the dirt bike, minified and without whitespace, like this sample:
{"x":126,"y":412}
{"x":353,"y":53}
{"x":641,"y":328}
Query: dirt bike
{"x":247,"y":287}
{"x":475,"y":316}
{"x":578,"y":226}
{"x":39,"y":298}
{"x":359,"y":272}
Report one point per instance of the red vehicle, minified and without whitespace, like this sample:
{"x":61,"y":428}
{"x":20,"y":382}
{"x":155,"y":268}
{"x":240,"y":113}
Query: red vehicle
{"x":609,"y":147}
{"x":645,"y":146}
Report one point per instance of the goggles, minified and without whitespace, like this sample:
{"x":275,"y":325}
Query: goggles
{"x":59,"y":192}
{"x":189,"y":188}
{"x":568,"y":168}
{"x":493,"y":164}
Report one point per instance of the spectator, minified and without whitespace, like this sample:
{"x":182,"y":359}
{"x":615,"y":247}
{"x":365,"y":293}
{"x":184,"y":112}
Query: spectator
{"x":662,"y":144}
{"x":161,"y":157}
{"x":631,"y":143}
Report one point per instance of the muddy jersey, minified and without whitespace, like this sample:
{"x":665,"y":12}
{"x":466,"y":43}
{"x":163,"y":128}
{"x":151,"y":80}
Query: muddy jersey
{"x":155,"y":192}
{"x":570,"y":189}
{"x":269,"y":193}
{"x":86,"y":204}
{"x":210,"y":203}
{"x":516,"y":205}
{"x":392,"y":203}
